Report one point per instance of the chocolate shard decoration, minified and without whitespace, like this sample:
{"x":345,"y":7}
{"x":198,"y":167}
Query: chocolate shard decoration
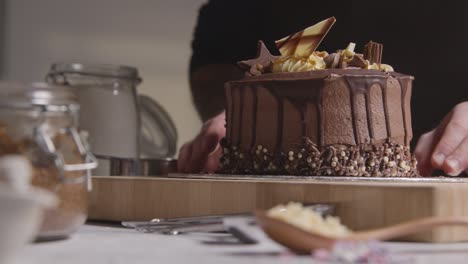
{"x":257,"y":65}
{"x":357,"y":61}
{"x":373,"y":52}
{"x":303,"y":43}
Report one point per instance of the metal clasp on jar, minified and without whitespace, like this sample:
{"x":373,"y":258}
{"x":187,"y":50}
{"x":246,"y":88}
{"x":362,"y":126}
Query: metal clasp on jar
{"x":90,"y":162}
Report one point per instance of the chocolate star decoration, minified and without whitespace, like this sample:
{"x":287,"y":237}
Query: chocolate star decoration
{"x":263,"y":60}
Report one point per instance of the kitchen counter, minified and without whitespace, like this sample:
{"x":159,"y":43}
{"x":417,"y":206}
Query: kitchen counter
{"x":112,"y":244}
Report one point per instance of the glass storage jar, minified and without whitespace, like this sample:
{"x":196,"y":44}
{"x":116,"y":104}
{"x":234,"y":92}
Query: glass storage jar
{"x":40,"y":122}
{"x":121,"y":123}
{"x":109,"y":107}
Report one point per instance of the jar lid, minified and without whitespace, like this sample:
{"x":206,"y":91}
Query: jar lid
{"x":50,"y":97}
{"x":100,"y":70}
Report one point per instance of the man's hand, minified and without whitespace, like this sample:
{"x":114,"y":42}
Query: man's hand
{"x":203,"y":153}
{"x":446,"y":146}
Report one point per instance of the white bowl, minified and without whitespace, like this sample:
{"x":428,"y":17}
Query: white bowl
{"x":20,"y":217}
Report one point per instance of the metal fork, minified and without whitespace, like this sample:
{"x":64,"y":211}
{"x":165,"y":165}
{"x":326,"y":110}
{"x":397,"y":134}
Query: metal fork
{"x":180,"y":220}
{"x":211,"y":223}
{"x":322,"y":208}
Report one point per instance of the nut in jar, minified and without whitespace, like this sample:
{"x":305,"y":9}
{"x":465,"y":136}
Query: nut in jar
{"x":40,"y":122}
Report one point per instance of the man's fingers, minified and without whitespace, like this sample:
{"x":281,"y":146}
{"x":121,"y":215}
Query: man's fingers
{"x":196,"y":161}
{"x":203,"y":152}
{"x":453,"y":130}
{"x":212,"y":163}
{"x":423,"y":152}
{"x":209,"y":146}
{"x":203,"y":145}
{"x":451,"y":137}
{"x":184,"y":157}
{"x":457,"y":161}
{"x":193,"y":156}
{"x":211,"y":140}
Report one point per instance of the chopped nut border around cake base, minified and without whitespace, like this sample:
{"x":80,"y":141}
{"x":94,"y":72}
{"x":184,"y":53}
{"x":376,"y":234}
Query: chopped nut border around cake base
{"x":366,"y":160}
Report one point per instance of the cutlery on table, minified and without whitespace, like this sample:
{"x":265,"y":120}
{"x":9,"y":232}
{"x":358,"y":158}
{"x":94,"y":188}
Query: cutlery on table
{"x":157,"y":223}
{"x":235,"y":224}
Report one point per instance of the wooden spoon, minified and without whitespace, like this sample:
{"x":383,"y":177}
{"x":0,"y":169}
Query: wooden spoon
{"x":302,"y":241}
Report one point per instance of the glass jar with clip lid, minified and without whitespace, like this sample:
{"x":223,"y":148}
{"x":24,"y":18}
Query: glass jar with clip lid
{"x":41,"y":122}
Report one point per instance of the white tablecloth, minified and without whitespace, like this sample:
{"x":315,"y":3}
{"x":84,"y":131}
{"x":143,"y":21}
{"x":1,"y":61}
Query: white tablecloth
{"x":114,"y":245}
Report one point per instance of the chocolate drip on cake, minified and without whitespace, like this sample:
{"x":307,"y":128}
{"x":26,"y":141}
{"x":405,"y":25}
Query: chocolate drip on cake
{"x":303,"y":108}
{"x":279,"y":129}
{"x":405,"y":86}
{"x":241,"y":113}
{"x":362,"y":85}
{"x":254,"y":119}
{"x":236,"y":110}
{"x":293,"y":103}
{"x":383,"y":89}
{"x":357,"y":136}
{"x":319,"y":119}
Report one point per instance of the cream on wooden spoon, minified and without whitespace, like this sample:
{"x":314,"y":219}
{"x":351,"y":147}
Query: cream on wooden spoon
{"x":294,"y":237}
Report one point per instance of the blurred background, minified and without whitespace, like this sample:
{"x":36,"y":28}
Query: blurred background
{"x":153,"y":36}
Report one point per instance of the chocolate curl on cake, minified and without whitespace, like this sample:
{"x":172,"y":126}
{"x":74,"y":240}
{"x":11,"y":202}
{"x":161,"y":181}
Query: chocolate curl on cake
{"x":332,"y":60}
{"x":373,"y":52}
{"x":259,"y":64}
{"x":303,"y":43}
{"x":346,"y":58}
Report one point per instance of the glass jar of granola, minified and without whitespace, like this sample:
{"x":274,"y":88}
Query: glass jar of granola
{"x":40,"y":122}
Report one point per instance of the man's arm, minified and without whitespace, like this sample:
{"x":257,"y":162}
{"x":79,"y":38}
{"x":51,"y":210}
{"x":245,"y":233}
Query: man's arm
{"x":207,"y":86}
{"x":226,"y":32}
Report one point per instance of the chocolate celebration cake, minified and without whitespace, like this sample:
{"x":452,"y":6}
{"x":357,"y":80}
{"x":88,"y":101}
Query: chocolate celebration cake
{"x":313,"y":113}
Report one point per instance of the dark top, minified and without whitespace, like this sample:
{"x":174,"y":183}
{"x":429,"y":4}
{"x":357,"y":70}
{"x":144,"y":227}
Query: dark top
{"x":424,"y":39}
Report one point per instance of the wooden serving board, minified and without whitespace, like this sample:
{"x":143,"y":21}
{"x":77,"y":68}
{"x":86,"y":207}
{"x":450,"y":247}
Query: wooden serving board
{"x":360,"y":203}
